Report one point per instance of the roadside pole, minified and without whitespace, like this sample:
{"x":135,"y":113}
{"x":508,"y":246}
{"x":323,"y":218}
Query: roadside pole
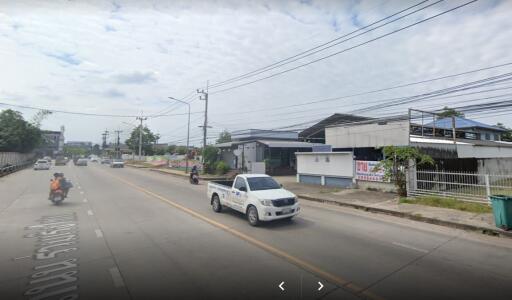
{"x":140,"y":135}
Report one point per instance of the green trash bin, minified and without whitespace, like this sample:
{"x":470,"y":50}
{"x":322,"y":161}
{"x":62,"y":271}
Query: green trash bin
{"x":502,"y":210}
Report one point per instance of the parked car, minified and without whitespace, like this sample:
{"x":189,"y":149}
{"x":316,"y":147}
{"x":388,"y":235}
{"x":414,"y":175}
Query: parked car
{"x":105,"y":161}
{"x":42,"y":164}
{"x":81,"y":162}
{"x":94,"y":159}
{"x":258,"y":196}
{"x":117,"y":163}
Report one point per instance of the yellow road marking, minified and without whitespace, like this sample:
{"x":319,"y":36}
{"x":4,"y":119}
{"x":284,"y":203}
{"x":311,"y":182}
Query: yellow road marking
{"x":347,"y":285}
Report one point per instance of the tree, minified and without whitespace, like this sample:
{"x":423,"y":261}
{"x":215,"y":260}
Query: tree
{"x":506,"y":136}
{"x":75,"y":151}
{"x":397,"y":163}
{"x":16,"y":134}
{"x":148,"y":139}
{"x":450,"y":112}
{"x":171,"y":149}
{"x":224,"y":137}
{"x":96,"y":149}
{"x":181,"y":150}
{"x":38,"y":118}
{"x":210,"y":157}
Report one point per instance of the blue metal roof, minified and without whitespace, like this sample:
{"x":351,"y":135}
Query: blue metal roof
{"x":461,"y":123}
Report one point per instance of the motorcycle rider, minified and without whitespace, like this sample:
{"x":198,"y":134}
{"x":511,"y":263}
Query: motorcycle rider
{"x":55,"y":184}
{"x":194,"y":172}
{"x":65,"y":184}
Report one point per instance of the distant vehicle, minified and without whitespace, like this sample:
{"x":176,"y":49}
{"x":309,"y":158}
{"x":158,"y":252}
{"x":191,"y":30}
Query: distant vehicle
{"x":105,"y":161}
{"x":81,"y":162}
{"x":117,"y":163}
{"x":60,"y":161}
{"x":258,"y":196}
{"x":42,"y":164}
{"x":94,"y":159}
{"x":48,"y":159}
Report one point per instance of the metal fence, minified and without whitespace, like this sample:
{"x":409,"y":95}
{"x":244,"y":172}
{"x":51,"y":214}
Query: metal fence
{"x":461,"y":185}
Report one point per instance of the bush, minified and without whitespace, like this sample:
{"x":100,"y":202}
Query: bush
{"x":222,"y":168}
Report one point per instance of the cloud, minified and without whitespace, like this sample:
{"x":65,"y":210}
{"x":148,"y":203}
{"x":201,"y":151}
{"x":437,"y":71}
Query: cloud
{"x":67,"y":58}
{"x":135,"y":77}
{"x":110,"y":28}
{"x":113,"y":93}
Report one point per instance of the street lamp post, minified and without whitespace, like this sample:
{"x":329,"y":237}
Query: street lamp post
{"x":188,"y":132}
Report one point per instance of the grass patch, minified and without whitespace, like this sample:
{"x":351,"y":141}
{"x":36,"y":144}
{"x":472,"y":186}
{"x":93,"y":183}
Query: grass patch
{"x":451,"y":203}
{"x":329,"y":191}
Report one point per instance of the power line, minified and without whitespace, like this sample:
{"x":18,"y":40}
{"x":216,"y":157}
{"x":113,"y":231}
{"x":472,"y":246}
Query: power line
{"x":322,"y":47}
{"x":372,"y":91}
{"x":83,"y":113}
{"x":346,"y":49}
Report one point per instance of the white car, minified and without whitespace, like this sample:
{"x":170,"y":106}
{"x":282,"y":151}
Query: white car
{"x":258,"y":196}
{"x":117,"y":163}
{"x":42,"y":164}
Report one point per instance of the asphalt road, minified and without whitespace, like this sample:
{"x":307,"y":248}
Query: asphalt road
{"x":135,"y":234}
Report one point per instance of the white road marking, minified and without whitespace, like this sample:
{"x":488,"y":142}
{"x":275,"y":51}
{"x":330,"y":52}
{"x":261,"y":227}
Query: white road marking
{"x":22,"y":257}
{"x":79,"y":187}
{"x":410,"y":247}
{"x":99,"y":234}
{"x":82,"y":192}
{"x":85,"y":200}
{"x":89,"y":212}
{"x":116,"y":277}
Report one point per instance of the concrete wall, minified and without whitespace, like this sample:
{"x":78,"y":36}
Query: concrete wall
{"x":14,"y":158}
{"x":325,"y":163}
{"x":325,"y":168}
{"x":498,"y":166}
{"x":478,"y":151}
{"x":368,"y":135}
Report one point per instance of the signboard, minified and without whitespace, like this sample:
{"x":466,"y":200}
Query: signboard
{"x":365,"y":171}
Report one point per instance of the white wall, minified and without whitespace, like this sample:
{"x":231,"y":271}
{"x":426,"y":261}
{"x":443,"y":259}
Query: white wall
{"x":368,"y":135}
{"x":465,"y":151}
{"x":325,"y":163}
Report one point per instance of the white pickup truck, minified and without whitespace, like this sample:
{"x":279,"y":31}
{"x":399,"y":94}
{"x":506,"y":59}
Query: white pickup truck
{"x":258,"y":196}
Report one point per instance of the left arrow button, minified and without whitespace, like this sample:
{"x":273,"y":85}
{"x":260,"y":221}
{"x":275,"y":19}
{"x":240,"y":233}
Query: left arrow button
{"x":281,"y":286}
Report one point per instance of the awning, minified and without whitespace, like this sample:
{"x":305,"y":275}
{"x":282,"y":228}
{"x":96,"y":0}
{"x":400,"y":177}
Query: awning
{"x":288,"y":144}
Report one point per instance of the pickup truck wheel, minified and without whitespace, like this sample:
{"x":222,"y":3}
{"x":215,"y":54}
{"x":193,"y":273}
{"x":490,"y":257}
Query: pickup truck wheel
{"x":252,"y":216}
{"x":217,"y":207}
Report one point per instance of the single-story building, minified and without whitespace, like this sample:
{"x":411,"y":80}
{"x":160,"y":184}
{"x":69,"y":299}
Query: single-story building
{"x":264,"y":151}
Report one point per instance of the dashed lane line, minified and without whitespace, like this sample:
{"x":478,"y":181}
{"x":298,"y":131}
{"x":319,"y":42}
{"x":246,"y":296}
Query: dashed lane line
{"x":410,"y":247}
{"x":337,"y":280}
{"x":90,"y":213}
{"x":116,"y":277}
{"x":99,"y":233}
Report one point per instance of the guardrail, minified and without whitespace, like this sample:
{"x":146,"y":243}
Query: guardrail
{"x":4,"y":170}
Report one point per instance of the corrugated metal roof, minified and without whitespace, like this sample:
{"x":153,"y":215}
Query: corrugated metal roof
{"x":461,"y":123}
{"x":287,"y":144}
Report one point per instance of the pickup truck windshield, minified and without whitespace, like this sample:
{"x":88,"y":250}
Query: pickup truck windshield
{"x":262,"y":183}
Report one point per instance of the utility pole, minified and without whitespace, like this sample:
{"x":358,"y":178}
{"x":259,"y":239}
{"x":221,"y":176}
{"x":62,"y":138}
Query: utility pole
{"x":188,"y":132}
{"x":104,"y":137}
{"x":205,"y":127}
{"x":141,"y":118}
{"x":118,"y":147}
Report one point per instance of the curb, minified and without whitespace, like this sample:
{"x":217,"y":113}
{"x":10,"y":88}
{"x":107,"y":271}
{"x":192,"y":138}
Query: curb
{"x":467,"y":227}
{"x":185,"y":175}
{"x":136,"y":166}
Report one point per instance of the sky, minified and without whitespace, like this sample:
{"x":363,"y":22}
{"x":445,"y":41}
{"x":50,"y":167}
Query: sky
{"x":127,"y":57}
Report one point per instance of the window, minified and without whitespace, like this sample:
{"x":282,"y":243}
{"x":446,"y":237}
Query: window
{"x":487,"y":136}
{"x":240,"y":182}
{"x":263,"y":183}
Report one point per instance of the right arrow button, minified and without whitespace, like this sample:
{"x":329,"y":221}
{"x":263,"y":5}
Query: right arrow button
{"x":320,"y":286}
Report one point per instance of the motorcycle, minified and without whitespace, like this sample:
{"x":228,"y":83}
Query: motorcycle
{"x":58,"y":192}
{"x":57,"y":196}
{"x":194,"y":179}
